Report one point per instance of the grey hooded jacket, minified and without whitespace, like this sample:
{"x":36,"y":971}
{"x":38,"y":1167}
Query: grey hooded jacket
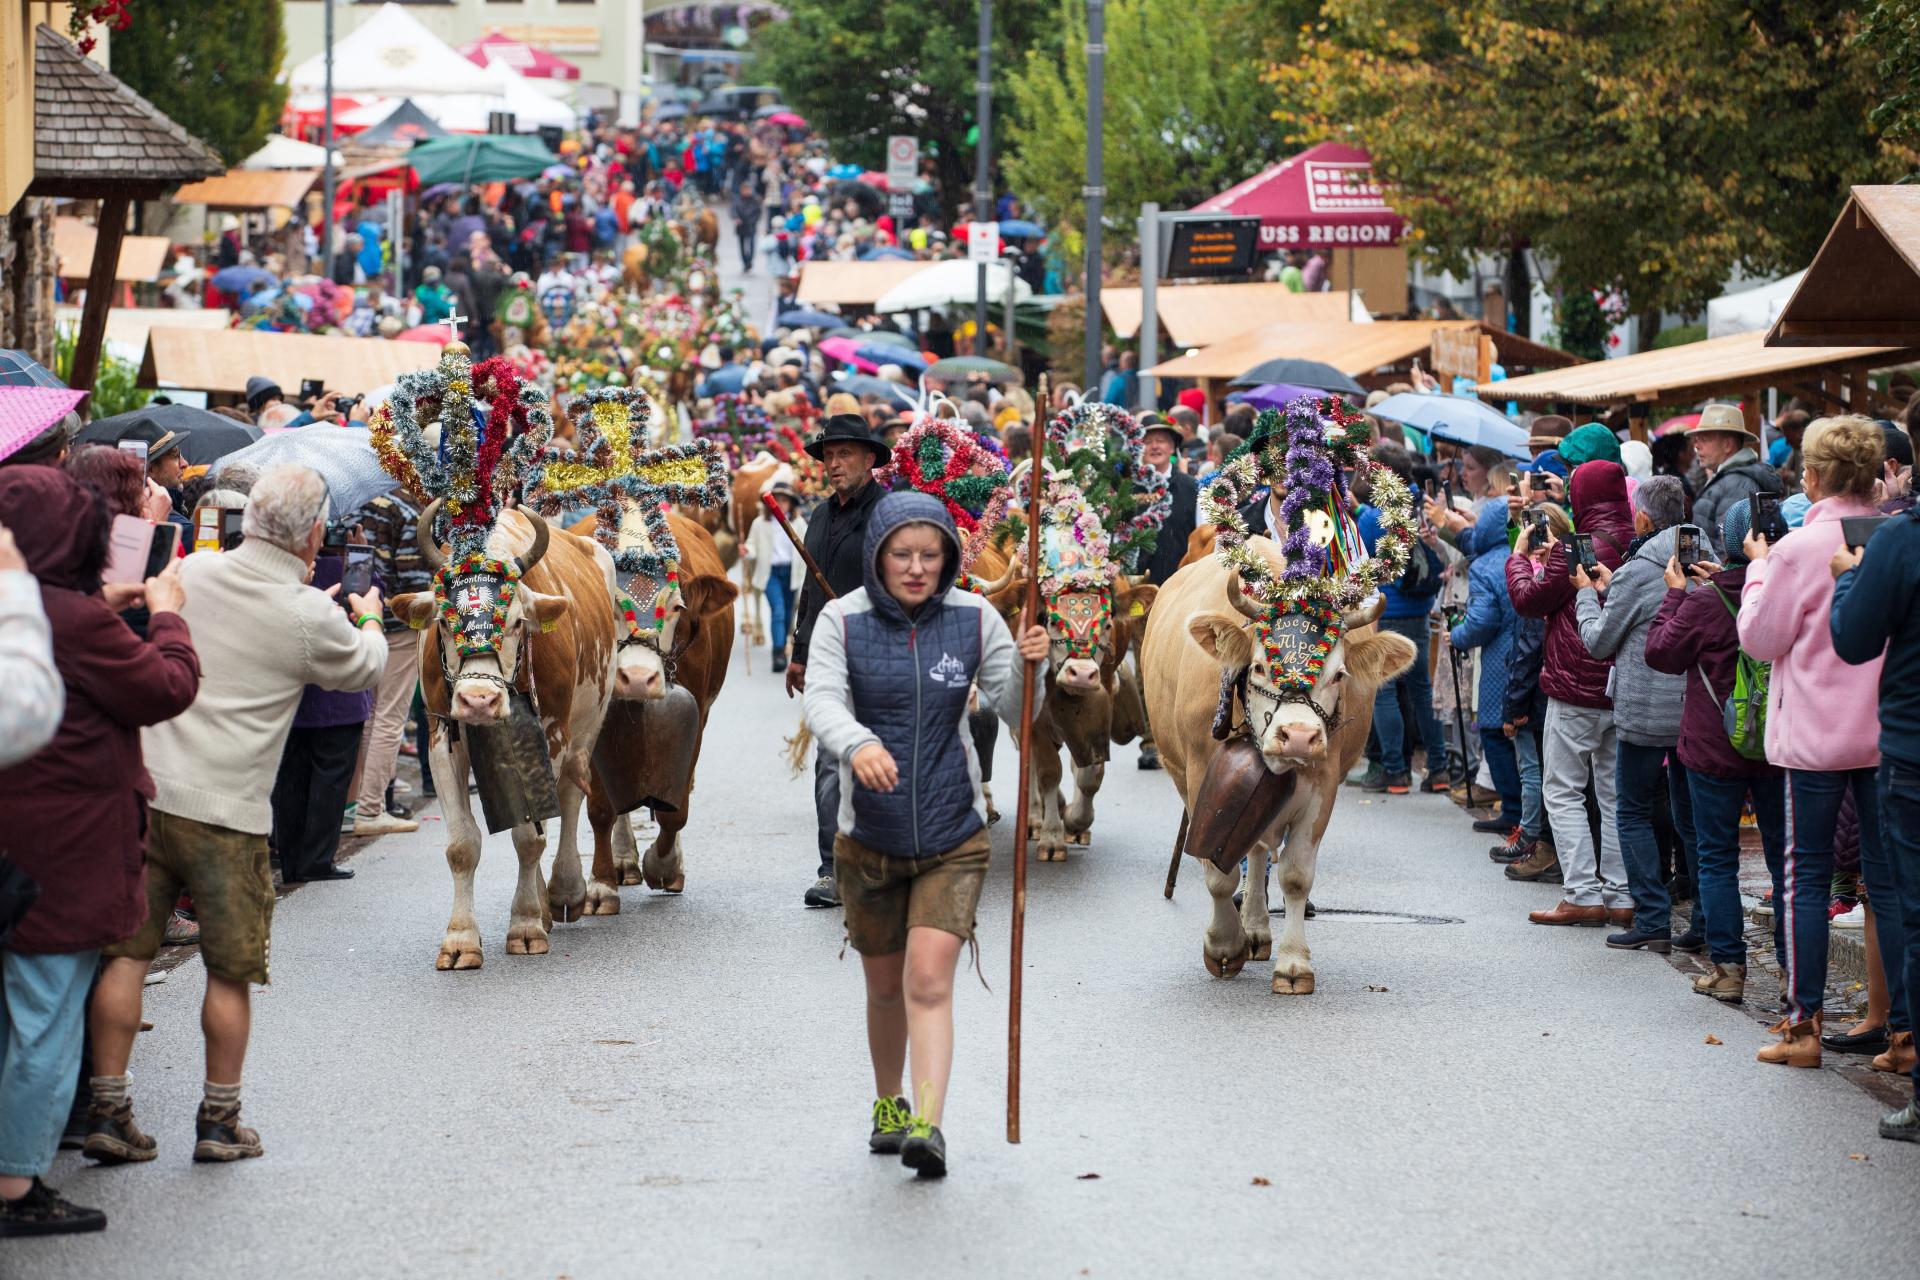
{"x":1739,"y":477}
{"x":1646,"y":703}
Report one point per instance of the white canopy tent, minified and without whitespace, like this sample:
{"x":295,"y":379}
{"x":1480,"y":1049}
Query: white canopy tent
{"x":471,"y":112}
{"x":1750,"y":309}
{"x":951,"y":283}
{"x":392,"y":53}
{"x":282,"y":152}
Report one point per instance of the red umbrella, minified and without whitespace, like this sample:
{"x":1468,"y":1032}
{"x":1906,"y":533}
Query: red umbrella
{"x":875,"y":179}
{"x":529,"y":60}
{"x":788,"y":118}
{"x":1685,"y":422}
{"x":438,"y":334}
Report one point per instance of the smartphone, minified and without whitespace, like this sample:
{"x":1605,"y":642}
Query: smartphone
{"x":1580,"y":553}
{"x":138,"y":448}
{"x":1541,"y":529}
{"x":163,"y":549}
{"x":1766,"y":518}
{"x":231,"y":532}
{"x":356,"y":578}
{"x":129,"y":541}
{"x":1689,"y":544}
{"x":311,"y":389}
{"x":1859,"y":530}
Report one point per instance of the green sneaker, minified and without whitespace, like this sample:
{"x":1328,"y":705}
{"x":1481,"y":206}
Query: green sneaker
{"x":1373,"y":780}
{"x":925,"y":1150}
{"x":892,"y":1120}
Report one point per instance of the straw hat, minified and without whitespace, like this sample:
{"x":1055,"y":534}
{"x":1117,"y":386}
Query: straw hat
{"x":1548,"y":430}
{"x":1724,"y":417}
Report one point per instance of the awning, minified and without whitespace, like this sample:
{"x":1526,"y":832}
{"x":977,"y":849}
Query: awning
{"x":141,"y":257}
{"x":1199,"y":315}
{"x":196,"y":360}
{"x":1864,"y":284}
{"x":127,"y":327}
{"x":528,"y":59}
{"x":251,"y":189}
{"x":1737,"y":365}
{"x":853,"y":284}
{"x":281,"y":152}
{"x":1323,"y":198}
{"x":1354,"y":349}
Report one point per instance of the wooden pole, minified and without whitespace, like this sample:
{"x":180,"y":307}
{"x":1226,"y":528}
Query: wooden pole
{"x":1179,"y":845}
{"x":773,"y":506}
{"x":1036,"y":479}
{"x":100,"y":277}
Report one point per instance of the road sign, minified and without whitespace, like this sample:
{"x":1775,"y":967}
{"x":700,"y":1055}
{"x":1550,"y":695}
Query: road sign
{"x":983,"y":242}
{"x":900,"y":205}
{"x":903,"y":162}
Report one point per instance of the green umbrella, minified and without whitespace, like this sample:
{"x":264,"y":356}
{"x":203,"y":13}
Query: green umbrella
{"x":887,"y":337}
{"x":961,"y":366}
{"x":487,"y":157}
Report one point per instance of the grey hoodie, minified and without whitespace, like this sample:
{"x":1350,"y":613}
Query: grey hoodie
{"x":1646,"y":703}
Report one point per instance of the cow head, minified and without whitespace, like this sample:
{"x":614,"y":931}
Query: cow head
{"x":1304,"y":670}
{"x":1088,"y":631}
{"x":669,"y":620}
{"x":483,"y":607}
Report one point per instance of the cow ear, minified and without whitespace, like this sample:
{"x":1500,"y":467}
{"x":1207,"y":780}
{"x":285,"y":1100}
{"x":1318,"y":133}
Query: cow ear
{"x":1220,"y":634}
{"x":1375,"y":659}
{"x":1139,"y":600}
{"x":543,"y":610}
{"x":415,"y":609}
{"x":707,"y":594}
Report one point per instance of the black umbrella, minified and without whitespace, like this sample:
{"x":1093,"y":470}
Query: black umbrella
{"x":1301,"y":373}
{"x":210,"y":435}
{"x":872,"y":203}
{"x":18,"y":369}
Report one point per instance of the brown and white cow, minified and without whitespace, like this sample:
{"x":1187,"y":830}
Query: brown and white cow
{"x":1202,"y":626}
{"x":559,"y":630}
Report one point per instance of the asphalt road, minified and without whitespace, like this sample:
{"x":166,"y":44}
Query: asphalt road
{"x":682,"y":1089}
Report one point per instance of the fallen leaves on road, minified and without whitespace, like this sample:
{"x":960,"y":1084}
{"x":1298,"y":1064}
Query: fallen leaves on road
{"x":613,"y":1042}
{"x":1088,"y":1177}
{"x":1371,"y":987}
{"x":1857,"y":1155}
{"x":1262,"y":1182}
{"x":1713,"y":1039}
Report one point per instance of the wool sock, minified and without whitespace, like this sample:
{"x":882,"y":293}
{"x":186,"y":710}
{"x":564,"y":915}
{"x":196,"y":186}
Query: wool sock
{"x":109,"y":1091}
{"x":221,"y":1096}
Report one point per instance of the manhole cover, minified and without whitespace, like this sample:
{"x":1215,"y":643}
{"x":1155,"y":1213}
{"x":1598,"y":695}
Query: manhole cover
{"x":1353,"y":915}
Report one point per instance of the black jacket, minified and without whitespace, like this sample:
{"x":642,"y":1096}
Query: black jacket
{"x":1160,"y":563}
{"x":1875,"y":611}
{"x":835,"y":534}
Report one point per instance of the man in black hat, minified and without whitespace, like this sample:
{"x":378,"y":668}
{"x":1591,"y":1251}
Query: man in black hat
{"x":836,"y":534}
{"x":1163,"y":440}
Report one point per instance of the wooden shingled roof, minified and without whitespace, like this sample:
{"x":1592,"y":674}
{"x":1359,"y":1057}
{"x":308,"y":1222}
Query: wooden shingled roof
{"x":93,"y":136}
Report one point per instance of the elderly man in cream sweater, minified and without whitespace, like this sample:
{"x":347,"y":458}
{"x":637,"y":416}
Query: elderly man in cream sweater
{"x":263,"y":635}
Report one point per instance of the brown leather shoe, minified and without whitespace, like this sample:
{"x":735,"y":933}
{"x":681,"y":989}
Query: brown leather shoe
{"x":1726,"y":983}
{"x":1542,"y":864}
{"x":1567,"y":913}
{"x":1620,"y":917}
{"x":1899,"y":1056}
{"x":1798,"y":1045}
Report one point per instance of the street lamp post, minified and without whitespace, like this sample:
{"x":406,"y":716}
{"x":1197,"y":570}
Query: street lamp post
{"x":982,"y":181}
{"x":1095,"y":191}
{"x":326,"y":164}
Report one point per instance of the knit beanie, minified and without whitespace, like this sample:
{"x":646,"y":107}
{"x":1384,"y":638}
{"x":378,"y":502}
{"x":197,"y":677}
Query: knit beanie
{"x":1589,"y":442}
{"x":1734,"y":527}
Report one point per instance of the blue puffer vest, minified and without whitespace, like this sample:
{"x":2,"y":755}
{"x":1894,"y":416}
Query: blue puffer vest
{"x":909,"y":679}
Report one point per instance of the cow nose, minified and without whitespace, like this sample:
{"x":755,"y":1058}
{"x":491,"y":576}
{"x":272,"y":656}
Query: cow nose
{"x":1079,"y":674}
{"x":1299,"y":741}
{"x":482,"y":704}
{"x":639,"y":685}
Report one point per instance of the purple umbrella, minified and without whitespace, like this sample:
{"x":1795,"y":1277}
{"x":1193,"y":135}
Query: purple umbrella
{"x":1275,"y":395}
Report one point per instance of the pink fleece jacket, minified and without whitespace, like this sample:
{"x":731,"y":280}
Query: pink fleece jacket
{"x":1822,"y":714}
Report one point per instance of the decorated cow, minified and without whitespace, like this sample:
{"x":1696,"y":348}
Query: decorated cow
{"x":1261,"y":665}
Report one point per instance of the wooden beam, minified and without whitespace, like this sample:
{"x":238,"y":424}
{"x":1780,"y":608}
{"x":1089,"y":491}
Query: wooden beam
{"x":1851,"y":333}
{"x":93,"y":317}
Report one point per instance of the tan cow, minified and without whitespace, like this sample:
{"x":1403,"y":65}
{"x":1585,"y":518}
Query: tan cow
{"x":1202,"y":626}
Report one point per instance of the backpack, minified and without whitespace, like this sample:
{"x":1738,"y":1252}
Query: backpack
{"x":1744,"y":713}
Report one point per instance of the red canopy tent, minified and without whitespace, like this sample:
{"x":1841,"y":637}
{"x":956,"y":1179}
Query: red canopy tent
{"x":529,"y":60}
{"x":1323,"y":198}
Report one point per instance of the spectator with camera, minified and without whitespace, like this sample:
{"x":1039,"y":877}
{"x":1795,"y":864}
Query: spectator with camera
{"x":1488,"y":625}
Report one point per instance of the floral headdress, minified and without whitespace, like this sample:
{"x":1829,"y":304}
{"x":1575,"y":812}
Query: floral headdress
{"x":1103,"y":451}
{"x":1304,"y":458}
{"x":937,"y":456}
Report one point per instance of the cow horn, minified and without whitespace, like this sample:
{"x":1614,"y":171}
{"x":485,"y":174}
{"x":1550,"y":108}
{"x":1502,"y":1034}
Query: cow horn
{"x":423,"y":532}
{"x":1367,"y":613}
{"x":1001,"y":583}
{"x":1238,"y":598}
{"x":539,"y":547}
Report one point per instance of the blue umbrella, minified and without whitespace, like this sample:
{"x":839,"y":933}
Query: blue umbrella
{"x":860,"y":384}
{"x":671,"y":110}
{"x":18,"y":369}
{"x":724,"y":381}
{"x":1275,"y":395}
{"x":804,"y":318}
{"x":840,"y":171}
{"x":885,"y":253}
{"x":241,"y":281}
{"x":887,"y":353}
{"x":1021,"y":229}
{"x":1457,"y":419}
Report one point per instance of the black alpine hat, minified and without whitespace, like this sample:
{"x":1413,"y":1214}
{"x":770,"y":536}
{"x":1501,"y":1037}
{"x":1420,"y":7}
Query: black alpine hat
{"x":850,"y":428}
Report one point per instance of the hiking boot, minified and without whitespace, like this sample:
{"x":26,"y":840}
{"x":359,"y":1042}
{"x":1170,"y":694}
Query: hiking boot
{"x":924,"y":1151}
{"x":1902,"y":1125}
{"x":1693,"y":941}
{"x":1437,"y":782}
{"x":45,"y":1212}
{"x":113,"y":1137}
{"x":182,"y":930}
{"x":1798,"y":1046}
{"x":223,"y":1137}
{"x":1727,"y":983}
{"x":1493,"y":826}
{"x":1149,"y":758}
{"x":825,"y":893}
{"x":1373,"y":780}
{"x":1397,"y":784}
{"x":1899,"y":1055}
{"x":1518,"y":846}
{"x":892,"y":1121}
{"x":1641,"y":940}
{"x":1543,"y":864}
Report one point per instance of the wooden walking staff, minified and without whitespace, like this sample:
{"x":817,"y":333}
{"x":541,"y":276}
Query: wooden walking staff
{"x":1036,"y":477}
{"x":773,"y":506}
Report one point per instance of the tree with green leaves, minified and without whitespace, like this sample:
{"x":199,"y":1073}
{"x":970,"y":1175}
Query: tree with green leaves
{"x":860,"y":72}
{"x":1891,"y":35}
{"x":1187,"y":115}
{"x":212,"y":65}
{"x":1641,"y":146}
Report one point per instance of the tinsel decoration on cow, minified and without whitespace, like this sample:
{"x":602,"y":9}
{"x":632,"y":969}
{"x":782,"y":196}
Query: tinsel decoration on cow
{"x":1101,"y":452}
{"x":943,"y":458}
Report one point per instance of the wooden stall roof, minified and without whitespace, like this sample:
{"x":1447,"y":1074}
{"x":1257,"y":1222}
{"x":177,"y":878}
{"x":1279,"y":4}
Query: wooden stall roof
{"x":1354,"y":349}
{"x":250,"y":189}
{"x":198,"y":360}
{"x":1199,"y":315}
{"x":93,"y":136}
{"x":141,"y":257}
{"x":127,"y":327}
{"x":1692,"y":371}
{"x":852,"y":284}
{"x":1864,"y":284}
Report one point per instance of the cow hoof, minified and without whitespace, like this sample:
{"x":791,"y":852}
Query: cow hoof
{"x":1297,"y":986}
{"x":1081,"y":838}
{"x":1231,"y":965}
{"x":566,"y":912}
{"x":458,"y":954}
{"x":525,"y":940}
{"x":661,"y":884}
{"x":602,"y":900}
{"x":630,"y":875}
{"x":1053,"y":853}
{"x":1263,"y":949}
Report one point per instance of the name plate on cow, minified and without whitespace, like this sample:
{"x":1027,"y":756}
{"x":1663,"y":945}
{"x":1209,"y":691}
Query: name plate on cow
{"x":1296,"y":645}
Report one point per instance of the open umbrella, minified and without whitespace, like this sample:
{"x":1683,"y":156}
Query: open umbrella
{"x":886,"y":353}
{"x":870,"y":200}
{"x":955,"y":282}
{"x":209,"y":435}
{"x":1301,"y":373}
{"x":804,"y":318}
{"x":961,"y":366}
{"x":860,"y":384}
{"x":847,"y":351}
{"x":1275,"y":395}
{"x":885,"y":253}
{"x":788,"y":119}
{"x":882,"y":338}
{"x":1021,"y":229}
{"x":671,"y":111}
{"x":343,"y":456}
{"x":1457,"y":419}
{"x":241,"y":281}
{"x":486,"y":157}
{"x":18,"y":369}
{"x":1683,"y":423}
{"x":27,"y":411}
{"x":845,"y":171}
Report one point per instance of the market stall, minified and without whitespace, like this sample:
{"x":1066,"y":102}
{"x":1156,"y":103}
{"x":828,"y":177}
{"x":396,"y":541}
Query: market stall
{"x":220,"y":363}
{"x":852,"y":284}
{"x":1199,"y":315}
{"x":1864,"y":284}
